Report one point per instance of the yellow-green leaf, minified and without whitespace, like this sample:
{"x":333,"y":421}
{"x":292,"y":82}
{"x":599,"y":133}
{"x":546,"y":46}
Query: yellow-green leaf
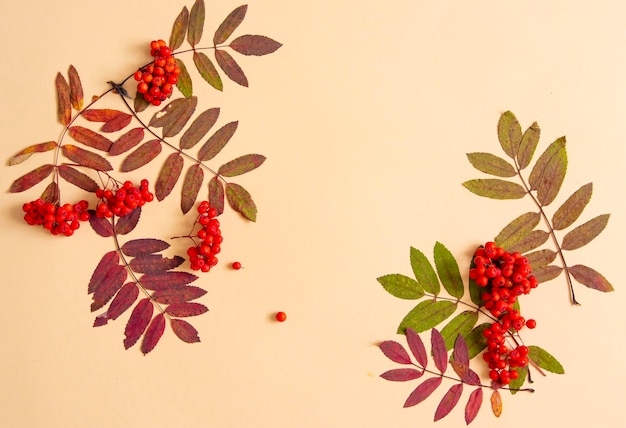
{"x":424,"y":272}
{"x":495,"y":188}
{"x":427,"y":315}
{"x":548,"y":173}
{"x":517,"y":230}
{"x":401,"y":286}
{"x":544,"y":360}
{"x":491,"y":164}
{"x":509,"y":133}
{"x":184,"y":83}
{"x":527,"y":147}
{"x":448,"y":271}
{"x":572,"y":208}
{"x":207,"y":70}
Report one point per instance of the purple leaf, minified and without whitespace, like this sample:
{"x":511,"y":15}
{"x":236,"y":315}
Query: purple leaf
{"x":395,"y":352}
{"x":423,"y":391}
{"x":207,"y":70}
{"x":101,"y":225}
{"x":449,"y":400}
{"x":460,"y":354}
{"x":127,"y":223}
{"x":108,"y":261}
{"x":402,"y":375}
{"x":440,"y":353}
{"x":138,"y":321}
{"x":140,"y":247}
{"x":123,"y":300}
{"x":590,"y":278}
{"x":254,"y":45}
{"x":166,"y":280}
{"x":153,"y":263}
{"x":217,"y":141}
{"x":185,"y":331}
{"x":109,"y":285}
{"x":178,"y":295}
{"x":186,"y":309}
{"x":153,"y":333}
{"x":228,"y":64}
{"x":473,"y":405}
{"x":416,"y":345}
{"x":199,"y":128}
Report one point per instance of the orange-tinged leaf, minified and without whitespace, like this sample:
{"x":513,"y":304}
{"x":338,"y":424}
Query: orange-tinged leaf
{"x":127,"y":141}
{"x":254,"y":45}
{"x":168,"y":176}
{"x":117,"y":123}
{"x":86,"y":158}
{"x":228,"y":64}
{"x":64,"y":106}
{"x":230,"y":24}
{"x":153,"y":333}
{"x":495,"y":188}
{"x":141,"y":156}
{"x":196,"y":23}
{"x":186,"y":309}
{"x":174,"y":116}
{"x":191,"y":187}
{"x":199,"y":128}
{"x":185,"y":331}
{"x":496,"y":403}
{"x":548,"y":173}
{"x":184,"y":84}
{"x":572,"y":208}
{"x":100,"y":115}
{"x":90,"y":138}
{"x":590,"y":278}
{"x":517,"y":230}
{"x":140,"y":247}
{"x":217,"y":141}
{"x":585,"y":233}
{"x":77,"y":178}
{"x":509,"y":133}
{"x":527,"y":147}
{"x":76,"y":89}
{"x":138,"y":321}
{"x":31,"y":178}
{"x":241,"y":201}
{"x":491,"y":164}
{"x":207,"y":70}
{"x":241,"y":165}
{"x":24,"y":154}
{"x":179,"y":29}
{"x":216,"y":194}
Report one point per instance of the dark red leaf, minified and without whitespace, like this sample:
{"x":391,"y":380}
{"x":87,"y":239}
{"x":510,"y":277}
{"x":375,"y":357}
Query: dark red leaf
{"x":77,"y":178}
{"x":440,"y":353}
{"x":64,"y":105}
{"x":170,"y":296}
{"x":196,"y":23}
{"x":230,"y":24}
{"x":416,"y":345}
{"x":216,"y":194}
{"x":254,"y":45}
{"x":217,"y":141}
{"x":423,"y":391}
{"x":185,"y":331}
{"x":191,"y":187}
{"x":460,"y":353}
{"x":24,"y":154}
{"x":86,"y":158}
{"x":128,"y":223}
{"x":102,"y":226}
{"x":127,"y":141}
{"x":199,"y":128}
{"x":140,"y":247}
{"x":153,"y":263}
{"x":138,"y":321}
{"x":473,"y":405}
{"x":117,"y":123}
{"x":241,"y":165}
{"x":395,"y":352}
{"x":101,"y":115}
{"x":241,"y":201}
{"x":107,"y":262}
{"x":31,"y":178}
{"x":228,"y":64}
{"x":186,"y":309}
{"x":449,"y":400}
{"x":168,"y":176}
{"x":179,"y":29}
{"x":109,"y":285}
{"x":166,"y":280}
{"x":141,"y":156}
{"x":153,"y":333}
{"x":174,"y":116}
{"x":90,"y":138}
{"x":123,"y":300}
{"x":76,"y":89}
{"x":590,"y":278}
{"x":52,"y":193}
{"x":402,"y":375}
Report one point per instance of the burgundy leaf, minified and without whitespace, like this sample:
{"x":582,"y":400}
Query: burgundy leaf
{"x":153,"y":263}
{"x":170,"y":296}
{"x":123,"y":300}
{"x":186,"y":309}
{"x":416,"y":345}
{"x":140,"y":247}
{"x":138,"y":321}
{"x":207,"y":70}
{"x":466,"y":374}
{"x":117,"y":123}
{"x":64,"y":105}
{"x":52,"y":193}
{"x":24,"y":154}
{"x":228,"y":64}
{"x":86,"y":158}
{"x":174,"y":116}
{"x":179,"y":29}
{"x":230,"y":24}
{"x":77,"y":178}
{"x":217,"y":141}
{"x":440,"y":353}
{"x":168,"y":176}
{"x":199,"y":128}
{"x":126,"y":141}
{"x":191,"y":187}
{"x":128,"y":223}
{"x":241,"y":165}
{"x":395,"y":352}
{"x":254,"y":45}
{"x":141,"y":156}
{"x":108,"y":261}
{"x":185,"y":331}
{"x":31,"y":178}
{"x":449,"y":400}
{"x":101,"y":115}
{"x":196,"y":23}
{"x":216,"y":194}
{"x":460,"y":353}
{"x":101,"y":225}
{"x":423,"y":391}
{"x":109,"y":285}
{"x":90,"y":138}
{"x":473,"y":405}
{"x":590,"y":278}
{"x":402,"y":375}
{"x":153,"y":333}
{"x":166,"y":280}
{"x":76,"y":89}
{"x":241,"y":201}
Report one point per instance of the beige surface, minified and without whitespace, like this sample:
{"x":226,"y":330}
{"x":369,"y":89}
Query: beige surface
{"x":365,"y":115}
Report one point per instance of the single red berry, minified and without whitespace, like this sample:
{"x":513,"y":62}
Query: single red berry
{"x":236,"y":265}
{"x":531,"y":323}
{"x":281,"y":316}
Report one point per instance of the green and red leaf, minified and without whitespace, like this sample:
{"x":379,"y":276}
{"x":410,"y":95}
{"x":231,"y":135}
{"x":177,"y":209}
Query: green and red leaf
{"x":101,"y":115}
{"x":174,"y":116}
{"x":51,"y":193}
{"x":31,"y":178}
{"x":145,"y":153}
{"x":585,"y":233}
{"x":230,"y":67}
{"x":548,"y":174}
{"x":491,"y":164}
{"x":495,"y":188}
{"x":199,"y":128}
{"x":517,"y":230}
{"x":86,"y":158}
{"x":547,"y":273}
{"x":179,"y":29}
{"x":168,"y":176}
{"x":138,"y":322}
{"x":216,"y":194}
{"x":77,"y":178}
{"x":528,"y":145}
{"x":90,"y":138}
{"x":217,"y":141}
{"x":241,"y":201}
{"x":184,"y":84}
{"x":533,"y":240}
{"x":196,"y":23}
{"x":207,"y":70}
{"x":127,"y":141}
{"x":590,"y":278}
{"x":241,"y":165}
{"x":191,"y":187}
{"x":229,"y":25}
{"x":254,"y":45}
{"x":76,"y":89}
{"x":572,"y":208}
{"x":24,"y":154}
{"x":541,"y":258}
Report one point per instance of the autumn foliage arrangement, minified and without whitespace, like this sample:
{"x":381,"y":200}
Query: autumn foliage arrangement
{"x":483,"y":321}
{"x":134,"y":274}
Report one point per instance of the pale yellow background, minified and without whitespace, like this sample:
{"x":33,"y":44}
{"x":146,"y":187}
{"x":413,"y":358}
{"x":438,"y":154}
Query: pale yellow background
{"x":365,"y":115}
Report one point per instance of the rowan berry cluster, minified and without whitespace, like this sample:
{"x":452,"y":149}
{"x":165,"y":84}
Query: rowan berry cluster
{"x":504,"y":276}
{"x":123,"y":200}
{"x":156,"y":80}
{"x":202,"y":256}
{"x":58,"y":219}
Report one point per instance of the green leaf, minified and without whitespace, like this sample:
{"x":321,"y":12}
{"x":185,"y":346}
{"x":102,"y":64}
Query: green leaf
{"x":254,"y":45}
{"x":141,"y":156}
{"x":519,"y":382}
{"x":527,"y":147}
{"x":230,"y":24}
{"x":495,"y":188}
{"x":31,"y":178}
{"x":476,"y":341}
{"x":491,"y":164}
{"x":548,"y":173}
{"x":448,"y":270}
{"x":533,"y":240}
{"x":179,"y":29}
{"x":427,"y":315}
{"x":401,"y":286}
{"x":541,"y":258}
{"x":199,"y":128}
{"x":168,"y":176}
{"x":196,"y":23}
{"x":184,"y":83}
{"x":207,"y":70}
{"x":509,"y":133}
{"x":191,"y":187}
{"x":241,"y":201}
{"x":590,"y":278}
{"x":517,"y":230}
{"x":585,"y":233}
{"x":174,"y":116}
{"x":544,"y":360}
{"x":228,"y":64}
{"x":461,"y":324}
{"x":572,"y":208}
{"x":241,"y":165}
{"x":216,"y":194}
{"x":424,"y":272}
{"x":217,"y":141}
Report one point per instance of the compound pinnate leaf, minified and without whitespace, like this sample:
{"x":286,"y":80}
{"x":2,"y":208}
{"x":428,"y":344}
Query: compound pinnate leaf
{"x":541,"y":258}
{"x":196,"y":23}
{"x":153,"y":263}
{"x":90,"y":138}
{"x":545,"y":360}
{"x":216,"y":194}
{"x":127,"y":224}
{"x":154,"y":332}
{"x":207,"y":70}
{"x":31,"y":178}
{"x":448,"y":271}
{"x":473,"y":405}
{"x":199,"y":128}
{"x":184,"y":331}
{"x":178,"y":295}
{"x":572,"y":208}
{"x":401,"y":286}
{"x":517,"y":230}
{"x":491,"y":164}
{"x":229,"y":25}
{"x":395,"y":352}
{"x":101,"y":225}
{"x":141,"y":247}
{"x":423,"y":391}
{"x":402,"y":375}
{"x":416,"y":345}
{"x":585,"y":233}
{"x":179,"y":29}
{"x":548,"y":173}
{"x":123,"y":300}
{"x":424,"y":271}
{"x":64,"y":105}
{"x":427,"y":315}
{"x":138,"y":322}
{"x":168,"y":176}
{"x":590,"y":278}
{"x":241,"y":201}
{"x":217,"y":141}
{"x":528,"y":145}
{"x":191,"y":187}
{"x":547,"y":273}
{"x":110,"y":284}
{"x":76,"y":89}
{"x":145,"y":153}
{"x":509,"y":133}
{"x":241,"y":165}
{"x":186,"y":309}
{"x":86,"y":158}
{"x":230,"y":67}
{"x":24,"y":154}
{"x":254,"y":45}
{"x":107,"y":262}
{"x":495,"y":188}
{"x":184,"y":84}
{"x":166,"y":280}
{"x":460,"y":325}
{"x":449,"y":401}
{"x":174,"y":116}
{"x":117,"y":123}
{"x":496,"y":403}
{"x":77,"y":178}
{"x":439,"y":351}
{"x":533,"y":240}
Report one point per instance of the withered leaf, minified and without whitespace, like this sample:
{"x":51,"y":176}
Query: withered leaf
{"x":128,"y":223}
{"x":86,"y":158}
{"x":395,"y":352}
{"x":199,"y":128}
{"x":179,"y":29}
{"x":533,"y":240}
{"x":509,"y":133}
{"x":207,"y":70}
{"x":416,"y":345}
{"x":178,"y":295}
{"x":110,"y":284}
{"x":153,"y":263}
{"x":541,"y":258}
{"x":241,"y":201}
{"x":254,"y":45}
{"x":241,"y":165}
{"x":191,"y":187}
{"x":590,"y":278}
{"x":547,"y":273}
{"x":138,"y":321}
{"x":102,"y":226}
{"x":52,"y":193}
{"x":127,"y":141}
{"x":186,"y":309}
{"x":153,"y":333}
{"x":174,"y":116}
{"x":90,"y":138}
{"x":473,"y":405}
{"x":517,"y":230}
{"x":24,"y":154}
{"x":145,"y":153}
{"x":548,"y":173}
{"x":168,"y":176}
{"x":423,"y":391}
{"x":217,"y":141}
{"x":439,"y":351}
{"x":196,"y":23}
{"x":76,"y":89}
{"x":107,"y":262}
{"x":527,"y":147}
{"x":64,"y":105}
{"x":426,"y":315}
{"x":141,"y":247}
{"x":77,"y":178}
{"x":31,"y":178}
{"x":185,"y":331}
{"x":572,"y":208}
{"x":140,"y":104}
{"x":101,"y":115}
{"x":449,"y":401}
{"x":496,"y":403}
{"x":402,"y":375}
{"x":585,"y":233}
{"x":117,"y":123}
{"x":184,"y":84}
{"x":166,"y":280}
{"x":491,"y":164}
{"x":230,"y":24}
{"x":495,"y":188}
{"x":230,"y":67}
{"x":216,"y":194}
